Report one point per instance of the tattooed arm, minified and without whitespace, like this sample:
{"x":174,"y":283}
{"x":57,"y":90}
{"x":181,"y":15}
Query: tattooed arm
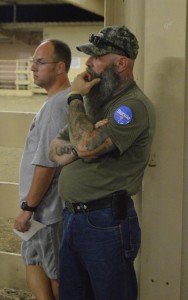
{"x":88,"y":140}
{"x":61,"y":152}
{"x":61,"y":148}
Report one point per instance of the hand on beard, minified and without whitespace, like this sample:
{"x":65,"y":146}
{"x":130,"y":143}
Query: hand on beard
{"x":83,"y":83}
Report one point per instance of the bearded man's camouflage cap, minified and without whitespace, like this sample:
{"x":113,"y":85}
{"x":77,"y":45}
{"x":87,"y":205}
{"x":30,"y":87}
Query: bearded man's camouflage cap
{"x":112,"y":39}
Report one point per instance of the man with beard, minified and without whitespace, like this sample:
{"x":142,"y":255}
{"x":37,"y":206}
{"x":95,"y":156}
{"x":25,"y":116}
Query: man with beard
{"x":103,"y":167}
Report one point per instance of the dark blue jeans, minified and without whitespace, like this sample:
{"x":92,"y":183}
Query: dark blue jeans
{"x":97,"y":255}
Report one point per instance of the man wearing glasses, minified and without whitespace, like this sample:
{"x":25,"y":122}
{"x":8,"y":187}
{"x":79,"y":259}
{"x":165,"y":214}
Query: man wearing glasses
{"x":39,"y":197}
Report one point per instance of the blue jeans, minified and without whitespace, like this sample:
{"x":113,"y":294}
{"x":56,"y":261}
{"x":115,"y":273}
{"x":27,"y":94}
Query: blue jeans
{"x":97,"y":255}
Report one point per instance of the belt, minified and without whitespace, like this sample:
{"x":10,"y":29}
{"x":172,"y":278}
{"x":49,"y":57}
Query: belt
{"x":106,"y":202}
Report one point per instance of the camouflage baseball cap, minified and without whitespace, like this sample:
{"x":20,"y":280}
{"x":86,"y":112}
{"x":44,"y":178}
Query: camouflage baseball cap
{"x":112,"y":39}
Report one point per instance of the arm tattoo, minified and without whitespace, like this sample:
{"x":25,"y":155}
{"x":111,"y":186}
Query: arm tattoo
{"x":63,"y":133}
{"x":66,"y":149}
{"x":81,"y":129}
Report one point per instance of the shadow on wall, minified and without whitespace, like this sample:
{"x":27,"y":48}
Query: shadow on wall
{"x":169,"y":99}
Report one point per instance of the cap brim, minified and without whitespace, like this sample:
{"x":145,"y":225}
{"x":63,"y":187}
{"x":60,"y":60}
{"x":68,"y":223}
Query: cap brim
{"x":90,"y":49}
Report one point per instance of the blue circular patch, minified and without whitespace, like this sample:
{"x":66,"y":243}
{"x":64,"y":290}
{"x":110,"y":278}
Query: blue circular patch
{"x":123,"y":115}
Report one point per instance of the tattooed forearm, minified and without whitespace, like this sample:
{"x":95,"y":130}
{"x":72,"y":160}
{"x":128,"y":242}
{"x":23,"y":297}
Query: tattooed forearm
{"x":63,"y":133}
{"x":87,"y":139}
{"x":80,"y":128}
{"x":79,"y":124}
{"x":65,"y":149}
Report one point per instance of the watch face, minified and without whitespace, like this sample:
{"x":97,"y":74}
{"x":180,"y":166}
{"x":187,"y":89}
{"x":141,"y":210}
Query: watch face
{"x":24,"y":205}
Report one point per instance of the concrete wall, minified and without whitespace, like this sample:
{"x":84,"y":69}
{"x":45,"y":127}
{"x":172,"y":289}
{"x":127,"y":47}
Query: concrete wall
{"x":73,"y":35}
{"x":161,"y":29}
{"x":16,"y":126}
{"x":184,"y":256}
{"x":164,"y":74}
{"x":70,"y":34}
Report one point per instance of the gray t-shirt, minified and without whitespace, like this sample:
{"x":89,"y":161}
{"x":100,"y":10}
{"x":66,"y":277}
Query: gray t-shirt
{"x":52,"y":116}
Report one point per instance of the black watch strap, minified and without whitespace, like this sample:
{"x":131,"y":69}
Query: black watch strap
{"x":26,"y":207}
{"x":74,"y":152}
{"x":74,"y":97}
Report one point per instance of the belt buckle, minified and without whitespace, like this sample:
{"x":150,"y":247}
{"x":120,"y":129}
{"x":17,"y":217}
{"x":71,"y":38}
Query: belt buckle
{"x":80,"y":207}
{"x":77,"y":207}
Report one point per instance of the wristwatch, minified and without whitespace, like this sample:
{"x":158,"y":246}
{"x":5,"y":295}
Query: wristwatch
{"x":74,"y":97}
{"x":26,"y":207}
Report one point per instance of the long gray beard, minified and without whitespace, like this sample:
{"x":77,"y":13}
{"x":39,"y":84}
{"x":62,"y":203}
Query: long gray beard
{"x":101,"y":93}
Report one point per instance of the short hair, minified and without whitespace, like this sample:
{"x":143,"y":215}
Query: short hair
{"x":62,"y":52}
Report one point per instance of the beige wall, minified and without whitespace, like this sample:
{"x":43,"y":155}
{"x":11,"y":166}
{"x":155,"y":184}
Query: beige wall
{"x":184,"y":257}
{"x":164,"y":74}
{"x":70,"y":34}
{"x":161,"y":28}
{"x":16,"y":50}
{"x":16,"y":127}
{"x":73,"y":35}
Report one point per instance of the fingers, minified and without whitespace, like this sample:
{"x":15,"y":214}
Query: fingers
{"x":101,"y":123}
{"x":94,"y":82}
{"x":55,"y":149}
{"x":86,"y":77}
{"x":22,"y":227}
{"x":83,"y":83}
{"x":65,"y":159}
{"x":22,"y":222}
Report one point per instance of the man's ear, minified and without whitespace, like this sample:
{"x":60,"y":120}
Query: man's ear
{"x":122,"y":64}
{"x":61,"y":67}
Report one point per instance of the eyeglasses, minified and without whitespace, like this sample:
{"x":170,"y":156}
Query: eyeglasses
{"x":40,"y":63}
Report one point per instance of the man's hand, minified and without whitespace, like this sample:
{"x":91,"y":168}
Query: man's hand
{"x":55,"y":149}
{"x":82,"y":83}
{"x":22,"y":221}
{"x":101,"y":123}
{"x":61,"y":152}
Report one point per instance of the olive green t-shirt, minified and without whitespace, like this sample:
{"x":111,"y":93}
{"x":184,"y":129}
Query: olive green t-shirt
{"x":131,"y":123}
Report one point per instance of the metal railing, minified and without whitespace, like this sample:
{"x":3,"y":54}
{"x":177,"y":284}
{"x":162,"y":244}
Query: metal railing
{"x":16,"y":78}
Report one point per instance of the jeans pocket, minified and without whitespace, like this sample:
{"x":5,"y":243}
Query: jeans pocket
{"x":102,"y":219}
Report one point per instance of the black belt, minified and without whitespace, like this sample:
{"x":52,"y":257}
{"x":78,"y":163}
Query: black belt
{"x":118,"y":198}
